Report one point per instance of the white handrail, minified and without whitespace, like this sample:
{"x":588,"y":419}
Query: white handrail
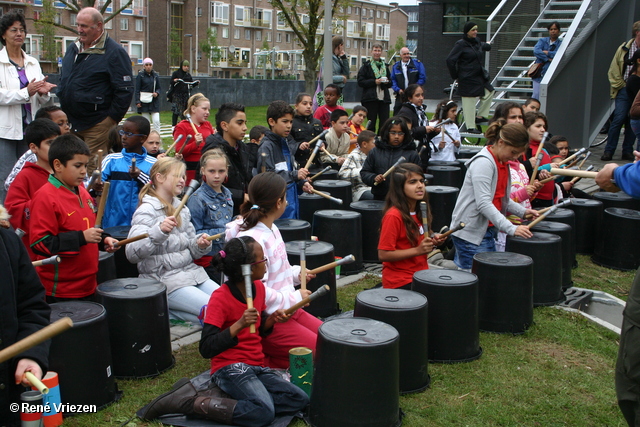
{"x":490,"y":20}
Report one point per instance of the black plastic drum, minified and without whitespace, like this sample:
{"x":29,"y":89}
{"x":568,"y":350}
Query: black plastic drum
{"x":442,"y":163}
{"x":467,"y":153}
{"x":123,"y":267}
{"x":138,"y":318}
{"x":505,"y":281}
{"x":343,"y":229}
{"x":371,"y":211}
{"x":588,"y":220}
{"x":407,"y":311}
{"x":442,"y":200}
{"x":618,"y":245}
{"x":310,"y":203}
{"x":106,"y":267}
{"x":428,"y":179}
{"x":293,"y":229}
{"x":565,"y":216}
{"x":330,"y":174}
{"x":337,"y":188}
{"x":82,"y":355}
{"x":568,"y":255}
{"x":617,"y":200}
{"x":453,"y":314}
{"x":448,"y":176}
{"x":546,"y":251}
{"x":356,"y":375}
{"x":317,"y":254}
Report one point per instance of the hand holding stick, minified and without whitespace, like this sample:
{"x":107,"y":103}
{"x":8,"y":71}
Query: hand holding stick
{"x":193,"y":126}
{"x":328,"y":168}
{"x":36,"y":338}
{"x":215,"y":236}
{"x":384,"y":175}
{"x":326,"y":196}
{"x":103,"y":202}
{"x":131,"y":240}
{"x":577,"y":178}
{"x":193,"y":186}
{"x":185,"y":143}
{"x":331,"y":156}
{"x":320,"y":136}
{"x":322,"y":290}
{"x":573,"y":156}
{"x":550,"y":210}
{"x":313,"y":156}
{"x":539,"y":156}
{"x":53,"y":260}
{"x":172,"y":146}
{"x":246,"y":272}
{"x":425,"y":218}
{"x":303,"y":265}
{"x":346,"y":260}
{"x":453,"y":230}
{"x":36,"y":383}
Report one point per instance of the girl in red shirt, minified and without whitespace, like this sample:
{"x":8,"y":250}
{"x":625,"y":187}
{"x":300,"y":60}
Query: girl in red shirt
{"x":403,"y":247}
{"x":198,"y":108}
{"x":536,"y":124}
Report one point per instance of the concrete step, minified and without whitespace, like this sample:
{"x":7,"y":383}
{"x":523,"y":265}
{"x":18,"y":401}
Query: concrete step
{"x":514,"y":89}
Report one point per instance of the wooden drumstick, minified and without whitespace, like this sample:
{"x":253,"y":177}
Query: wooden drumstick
{"x":538,"y":158}
{"x":95,"y":178}
{"x":303,"y":265}
{"x":384,"y":175}
{"x":328,"y":168}
{"x":322,"y":290}
{"x":246,"y":272}
{"x":185,"y":143}
{"x":320,"y":136}
{"x":573,"y":156}
{"x":331,"y":156}
{"x":544,"y":181}
{"x":264,"y":164}
{"x":99,"y":167}
{"x":326,"y":196}
{"x":52,"y":260}
{"x":586,"y":156}
{"x":215,"y":236}
{"x":313,"y":156}
{"x":172,"y":146}
{"x":103,"y":203}
{"x":453,"y":230}
{"x":36,"y":338}
{"x":573,"y":172}
{"x":193,"y":125}
{"x":550,"y":210}
{"x":193,"y":186}
{"x":346,"y":260}
{"x":577,"y":178}
{"x":425,"y":218}
{"x":131,"y":240}
{"x":36,"y":383}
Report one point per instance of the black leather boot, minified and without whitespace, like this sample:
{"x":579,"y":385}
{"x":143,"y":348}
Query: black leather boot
{"x":179,"y":400}
{"x":218,"y":409}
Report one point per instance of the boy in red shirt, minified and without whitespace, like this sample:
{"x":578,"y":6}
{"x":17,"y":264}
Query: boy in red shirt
{"x":332,"y":94}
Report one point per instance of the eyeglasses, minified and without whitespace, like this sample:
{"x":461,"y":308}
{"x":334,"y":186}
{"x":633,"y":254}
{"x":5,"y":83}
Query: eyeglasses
{"x":129,"y":134}
{"x":393,"y":133}
{"x":260,"y":262}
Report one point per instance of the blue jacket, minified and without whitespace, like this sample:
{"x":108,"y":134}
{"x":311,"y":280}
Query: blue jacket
{"x":628,"y":179}
{"x":415,"y":73}
{"x":210,"y":212}
{"x":545,"y":44}
{"x":123,"y":193}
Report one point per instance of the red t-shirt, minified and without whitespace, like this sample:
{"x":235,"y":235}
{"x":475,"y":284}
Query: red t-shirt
{"x":393,"y":236}
{"x":191,"y":152}
{"x":223,"y":311}
{"x":323,"y":114}
{"x":546,"y":192}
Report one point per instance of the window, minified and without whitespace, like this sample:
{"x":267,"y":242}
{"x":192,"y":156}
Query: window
{"x":456,"y":14}
{"x":287,"y":38}
{"x":364,"y":11}
{"x":245,"y":55}
{"x":57,"y":19}
{"x":263,"y":18}
{"x":356,"y":10}
{"x":124,"y":24}
{"x":268,"y":37}
{"x":413,"y":17}
{"x":279,"y":38}
{"x":282,"y":24}
{"x":108,"y":25}
{"x":135,"y":50}
{"x":370,"y":13}
{"x":385,"y":15}
{"x":412,"y":28}
{"x":378,"y":14}
{"x":247,"y":34}
{"x":139,"y":25}
{"x":72,"y":19}
{"x":349,"y":10}
{"x":225,"y":32}
{"x":258,"y":35}
{"x":236,"y":33}
{"x":219,"y":13}
{"x":242,"y":15}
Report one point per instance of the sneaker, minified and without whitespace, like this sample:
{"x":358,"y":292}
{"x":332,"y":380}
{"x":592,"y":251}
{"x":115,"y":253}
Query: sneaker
{"x":481,"y":119}
{"x":476,"y":131}
{"x":628,"y":156}
{"x":606,"y":156}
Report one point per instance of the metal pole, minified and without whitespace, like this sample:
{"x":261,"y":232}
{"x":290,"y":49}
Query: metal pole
{"x":327,"y":74}
{"x":197,"y":35}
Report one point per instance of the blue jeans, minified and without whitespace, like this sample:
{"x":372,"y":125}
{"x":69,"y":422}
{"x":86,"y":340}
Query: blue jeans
{"x":186,"y":303}
{"x":466,"y":250}
{"x":261,"y":394}
{"x":620,"y":117}
{"x":635,"y":125}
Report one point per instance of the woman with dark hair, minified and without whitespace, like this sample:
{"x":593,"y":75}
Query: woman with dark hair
{"x":340,"y":62}
{"x":180,"y":94}
{"x":23,"y":90}
{"x":413,"y":110}
{"x":146,"y":93}
{"x":544,"y":51}
{"x":466,"y":64}
{"x":375,"y":80}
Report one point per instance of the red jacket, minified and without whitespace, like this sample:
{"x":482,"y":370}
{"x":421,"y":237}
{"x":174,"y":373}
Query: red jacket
{"x":59,"y":215}
{"x":191,"y":152}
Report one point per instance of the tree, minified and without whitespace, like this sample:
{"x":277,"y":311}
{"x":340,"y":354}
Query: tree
{"x":50,"y":49}
{"x":306,"y":30}
{"x":76,"y":5}
{"x":399,"y":45}
{"x":210,"y":48}
{"x":175,"y":47}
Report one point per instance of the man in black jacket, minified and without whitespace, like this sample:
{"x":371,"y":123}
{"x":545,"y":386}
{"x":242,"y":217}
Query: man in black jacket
{"x":96,"y":82}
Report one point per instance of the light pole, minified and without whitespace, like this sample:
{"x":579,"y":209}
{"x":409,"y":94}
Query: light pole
{"x":190,"y":49}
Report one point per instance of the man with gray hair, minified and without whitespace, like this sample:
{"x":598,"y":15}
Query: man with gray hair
{"x":405,"y":72}
{"x":96,"y":84}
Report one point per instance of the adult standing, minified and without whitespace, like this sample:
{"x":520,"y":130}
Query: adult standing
{"x":340,"y":63}
{"x":618,"y":74}
{"x":465,"y":63}
{"x":96,"y":83}
{"x":180,"y":94}
{"x":544,"y":51}
{"x":373,"y":78}
{"x":147,"y":90}
{"x":23,"y":89}
{"x":406,"y":72}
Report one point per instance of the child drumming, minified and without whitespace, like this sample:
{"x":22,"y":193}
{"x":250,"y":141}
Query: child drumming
{"x":63,"y":223}
{"x":266,"y":203}
{"x":484,"y":198}
{"x":404,"y":243}
{"x":337,"y":138}
{"x":350,"y":169}
{"x":33,"y":176}
{"x":305,"y":127}
{"x":211,"y":205}
{"x":153,"y":144}
{"x":446,"y":142}
{"x":536,"y":124}
{"x":332,"y":94}
{"x":356,"y":124}
{"x":198,"y":108}
{"x":394,"y":142}
{"x":126,"y":181}
{"x":167,"y":254}
{"x":278,"y":148}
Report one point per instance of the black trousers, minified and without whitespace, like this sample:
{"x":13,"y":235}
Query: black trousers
{"x":376,"y":110}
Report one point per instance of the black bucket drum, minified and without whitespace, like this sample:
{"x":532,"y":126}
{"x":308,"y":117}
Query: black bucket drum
{"x":442,"y":163}
{"x":428,"y":179}
{"x":371,"y":211}
{"x":568,"y":256}
{"x":442,"y":200}
{"x":293,"y":229}
{"x":356,"y":373}
{"x":317,"y":254}
{"x":505,"y":280}
{"x":330,"y":174}
{"x":106,"y":267}
{"x":546,"y":251}
{"x":467,"y":153}
{"x":454,"y":336}
{"x":565,"y":216}
{"x":447,"y":176}
{"x":588,"y":220}
{"x":82,"y":355}
{"x":407,"y":311}
{"x":138,"y":317}
{"x":343,"y":229}
{"x":617,"y":246}
{"x":310,"y":203}
{"x":339,"y":189}
{"x":123,"y":267}
{"x":616,"y":200}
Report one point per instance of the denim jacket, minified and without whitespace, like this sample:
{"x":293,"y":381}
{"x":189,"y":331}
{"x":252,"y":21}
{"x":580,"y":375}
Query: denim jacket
{"x":210,"y":212}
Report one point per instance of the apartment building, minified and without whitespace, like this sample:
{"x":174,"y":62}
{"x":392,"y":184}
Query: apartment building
{"x":413,"y":15}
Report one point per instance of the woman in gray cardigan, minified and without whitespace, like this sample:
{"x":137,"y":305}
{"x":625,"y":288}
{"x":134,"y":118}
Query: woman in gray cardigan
{"x":484,"y":199}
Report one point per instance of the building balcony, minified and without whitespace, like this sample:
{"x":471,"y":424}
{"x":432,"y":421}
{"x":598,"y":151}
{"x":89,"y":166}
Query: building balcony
{"x":363,"y":35}
{"x":237,"y":64}
{"x":259,"y":23}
